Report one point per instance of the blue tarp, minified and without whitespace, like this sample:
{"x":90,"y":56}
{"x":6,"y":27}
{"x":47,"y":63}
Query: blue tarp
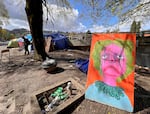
{"x":29,"y":37}
{"x":82,"y":64}
{"x":59,"y":41}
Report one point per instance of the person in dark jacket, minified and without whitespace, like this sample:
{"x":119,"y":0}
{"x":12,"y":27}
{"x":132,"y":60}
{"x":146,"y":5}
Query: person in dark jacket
{"x":26,"y":44}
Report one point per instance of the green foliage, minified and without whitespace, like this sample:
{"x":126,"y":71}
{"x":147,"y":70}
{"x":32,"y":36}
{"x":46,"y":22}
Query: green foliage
{"x":6,"y":35}
{"x":135,"y":26}
{"x":88,"y":32}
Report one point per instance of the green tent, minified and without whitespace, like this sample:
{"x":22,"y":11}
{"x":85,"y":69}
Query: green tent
{"x":13,"y":43}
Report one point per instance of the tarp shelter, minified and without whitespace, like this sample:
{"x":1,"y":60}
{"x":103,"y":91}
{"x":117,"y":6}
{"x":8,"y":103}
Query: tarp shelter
{"x":13,"y":43}
{"x":59,"y":41}
{"x":29,"y":37}
{"x":82,"y":64}
{"x":20,"y":42}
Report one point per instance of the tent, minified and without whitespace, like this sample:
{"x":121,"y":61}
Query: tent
{"x":20,"y":42}
{"x":28,"y":36}
{"x":59,"y":41}
{"x":13,"y":43}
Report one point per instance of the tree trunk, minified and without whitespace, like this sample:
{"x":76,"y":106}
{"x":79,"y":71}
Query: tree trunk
{"x":34,"y":13}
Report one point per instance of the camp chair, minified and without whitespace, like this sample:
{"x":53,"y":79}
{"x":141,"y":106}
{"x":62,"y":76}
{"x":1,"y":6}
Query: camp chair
{"x":5,"y":51}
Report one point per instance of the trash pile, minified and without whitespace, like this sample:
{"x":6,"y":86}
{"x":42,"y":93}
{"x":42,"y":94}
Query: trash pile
{"x":50,"y":99}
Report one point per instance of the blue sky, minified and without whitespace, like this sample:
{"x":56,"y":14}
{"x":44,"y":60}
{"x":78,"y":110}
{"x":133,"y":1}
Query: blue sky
{"x":82,"y":9}
{"x":71,"y":21}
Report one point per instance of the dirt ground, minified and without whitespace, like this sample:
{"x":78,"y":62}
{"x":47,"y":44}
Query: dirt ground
{"x":21,"y":76}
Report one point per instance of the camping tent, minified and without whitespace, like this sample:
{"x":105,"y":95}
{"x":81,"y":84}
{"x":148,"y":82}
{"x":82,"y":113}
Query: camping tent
{"x":59,"y":41}
{"x":13,"y":43}
{"x":28,"y":36}
{"x":20,"y":42}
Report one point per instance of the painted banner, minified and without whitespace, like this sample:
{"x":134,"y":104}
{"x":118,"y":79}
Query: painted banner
{"x":110,"y":77}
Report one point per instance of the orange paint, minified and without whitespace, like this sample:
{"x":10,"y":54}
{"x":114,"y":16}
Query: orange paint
{"x":93,"y":74}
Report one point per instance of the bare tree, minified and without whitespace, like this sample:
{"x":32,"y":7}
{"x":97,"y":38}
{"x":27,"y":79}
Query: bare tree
{"x":34,"y":13}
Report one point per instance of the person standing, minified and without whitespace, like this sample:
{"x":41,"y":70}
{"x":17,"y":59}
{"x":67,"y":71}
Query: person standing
{"x":26,"y":44}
